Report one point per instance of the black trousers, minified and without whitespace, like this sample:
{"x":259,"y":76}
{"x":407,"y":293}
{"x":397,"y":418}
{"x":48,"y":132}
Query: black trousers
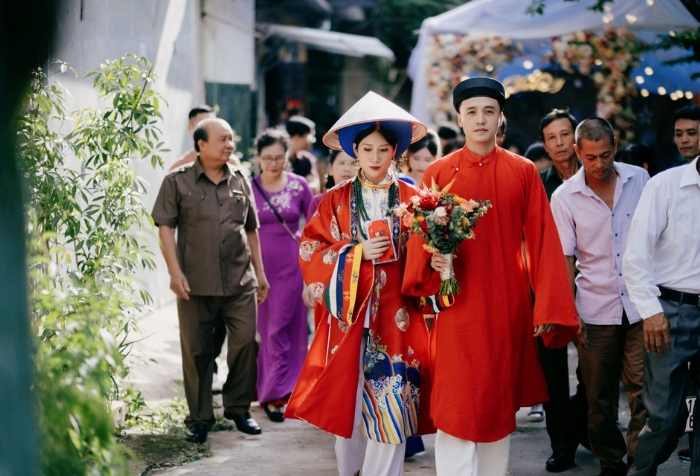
{"x":566,"y":417}
{"x":219,"y":338}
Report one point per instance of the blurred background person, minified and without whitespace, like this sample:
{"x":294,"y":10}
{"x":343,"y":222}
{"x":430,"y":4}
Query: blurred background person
{"x":420,"y":154}
{"x":342,"y":167}
{"x":198,"y":114}
{"x":639,"y":155}
{"x":302,"y":136}
{"x":447,"y":133}
{"x":539,"y":156}
{"x":566,"y":417}
{"x":282,"y":199}
{"x":451,"y":146}
{"x":686,"y":131}
{"x":501,"y":134}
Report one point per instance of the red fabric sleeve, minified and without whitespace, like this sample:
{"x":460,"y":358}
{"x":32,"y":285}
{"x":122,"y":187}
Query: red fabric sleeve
{"x":554,"y":303}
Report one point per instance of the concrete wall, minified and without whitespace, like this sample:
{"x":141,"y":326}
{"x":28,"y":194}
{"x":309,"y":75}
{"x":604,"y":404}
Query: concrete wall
{"x":228,"y":46}
{"x":170,"y":33}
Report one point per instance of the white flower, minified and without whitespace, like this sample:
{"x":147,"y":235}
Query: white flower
{"x":440,"y":212}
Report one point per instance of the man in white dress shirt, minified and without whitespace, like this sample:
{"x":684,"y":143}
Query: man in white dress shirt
{"x":593,"y":211}
{"x":662,"y":270}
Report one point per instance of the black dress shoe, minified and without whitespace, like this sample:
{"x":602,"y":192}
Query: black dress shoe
{"x":198,"y":433}
{"x":244,"y":422}
{"x":560,"y":461}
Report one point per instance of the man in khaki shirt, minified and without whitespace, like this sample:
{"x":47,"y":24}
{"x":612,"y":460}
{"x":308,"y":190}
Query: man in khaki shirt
{"x":215,"y":267}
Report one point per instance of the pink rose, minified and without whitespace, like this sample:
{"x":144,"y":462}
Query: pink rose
{"x":402,"y":209}
{"x":408,"y":220}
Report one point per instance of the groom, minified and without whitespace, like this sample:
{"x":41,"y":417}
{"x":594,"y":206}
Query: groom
{"x":486,"y":363}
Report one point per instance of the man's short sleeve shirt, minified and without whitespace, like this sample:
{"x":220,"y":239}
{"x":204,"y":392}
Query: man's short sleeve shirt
{"x":211,"y":221}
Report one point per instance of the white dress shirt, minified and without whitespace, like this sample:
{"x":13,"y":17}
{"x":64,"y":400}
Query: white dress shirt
{"x":596,"y":236}
{"x":664,"y":242}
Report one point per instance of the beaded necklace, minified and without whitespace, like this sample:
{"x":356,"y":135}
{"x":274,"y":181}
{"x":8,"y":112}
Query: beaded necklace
{"x":360,"y":204}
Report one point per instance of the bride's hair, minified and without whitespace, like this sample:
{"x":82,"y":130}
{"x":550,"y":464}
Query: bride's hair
{"x":387,"y":133}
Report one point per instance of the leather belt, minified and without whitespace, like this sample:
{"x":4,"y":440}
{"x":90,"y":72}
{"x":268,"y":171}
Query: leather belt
{"x":680,"y":297}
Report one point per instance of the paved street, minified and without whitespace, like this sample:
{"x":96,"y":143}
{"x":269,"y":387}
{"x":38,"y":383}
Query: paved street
{"x":295,"y":448}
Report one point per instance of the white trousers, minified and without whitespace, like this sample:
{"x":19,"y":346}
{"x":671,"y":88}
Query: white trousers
{"x":360,"y":453}
{"x":457,"y":457}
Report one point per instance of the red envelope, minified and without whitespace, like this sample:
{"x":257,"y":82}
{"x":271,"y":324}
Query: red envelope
{"x":379,"y":228}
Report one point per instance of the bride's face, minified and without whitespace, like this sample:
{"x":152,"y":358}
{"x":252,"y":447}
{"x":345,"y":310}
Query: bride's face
{"x":375,"y":155}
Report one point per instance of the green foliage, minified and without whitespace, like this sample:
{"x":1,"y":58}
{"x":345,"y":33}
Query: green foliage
{"x":687,"y":40}
{"x":537,"y":7}
{"x":398,"y":21}
{"x":85,"y":218}
{"x":165,"y":419}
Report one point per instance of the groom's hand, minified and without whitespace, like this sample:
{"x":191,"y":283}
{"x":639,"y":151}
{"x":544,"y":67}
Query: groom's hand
{"x":543,"y":329}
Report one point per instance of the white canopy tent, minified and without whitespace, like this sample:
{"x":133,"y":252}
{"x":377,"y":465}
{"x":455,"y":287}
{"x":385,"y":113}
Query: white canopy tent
{"x":331,"y":41}
{"x":508,"y":19}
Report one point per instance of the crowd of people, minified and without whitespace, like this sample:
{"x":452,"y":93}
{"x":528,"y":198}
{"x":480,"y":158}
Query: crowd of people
{"x":586,"y":242}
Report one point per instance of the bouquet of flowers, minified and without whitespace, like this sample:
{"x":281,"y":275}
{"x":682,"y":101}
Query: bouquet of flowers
{"x":444,"y":220}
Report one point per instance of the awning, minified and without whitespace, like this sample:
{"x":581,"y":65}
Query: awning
{"x":331,"y":41}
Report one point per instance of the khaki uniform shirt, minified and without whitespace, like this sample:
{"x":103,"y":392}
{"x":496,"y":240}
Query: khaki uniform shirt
{"x":211,"y":221}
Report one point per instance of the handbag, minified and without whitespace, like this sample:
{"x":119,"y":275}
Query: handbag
{"x":274,"y":210}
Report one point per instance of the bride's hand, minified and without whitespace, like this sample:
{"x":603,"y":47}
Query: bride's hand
{"x":439,"y":262}
{"x":375,"y":247}
{"x":308,"y":296}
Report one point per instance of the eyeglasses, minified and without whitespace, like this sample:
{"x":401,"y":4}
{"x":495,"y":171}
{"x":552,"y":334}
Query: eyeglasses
{"x":350,"y":163}
{"x":271,"y":160}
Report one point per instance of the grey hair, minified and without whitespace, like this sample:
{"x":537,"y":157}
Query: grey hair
{"x":595,"y":129}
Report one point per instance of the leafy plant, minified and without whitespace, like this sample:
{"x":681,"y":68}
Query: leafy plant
{"x":537,"y":7}
{"x":86,"y":221}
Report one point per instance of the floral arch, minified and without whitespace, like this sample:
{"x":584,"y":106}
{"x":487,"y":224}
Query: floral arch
{"x":608,"y":57}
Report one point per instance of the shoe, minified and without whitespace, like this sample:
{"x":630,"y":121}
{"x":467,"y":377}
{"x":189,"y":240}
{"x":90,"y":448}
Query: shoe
{"x":560,"y":461}
{"x":276,"y":416}
{"x":684,"y":454}
{"x":608,"y":471}
{"x":198,"y":433}
{"x":536,"y":414}
{"x":216,"y":384}
{"x":244,"y":422}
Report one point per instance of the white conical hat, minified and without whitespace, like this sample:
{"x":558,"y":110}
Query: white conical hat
{"x":374,"y":108}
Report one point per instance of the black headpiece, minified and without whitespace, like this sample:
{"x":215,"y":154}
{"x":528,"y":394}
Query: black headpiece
{"x":478,"y":87}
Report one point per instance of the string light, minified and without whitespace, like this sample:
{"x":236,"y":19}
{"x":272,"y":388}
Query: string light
{"x":639,"y":79}
{"x":673,"y":96}
{"x":661,"y":90}
{"x":648,"y":71}
{"x":688,"y":95}
{"x":644,"y":93}
{"x":527,"y":64}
